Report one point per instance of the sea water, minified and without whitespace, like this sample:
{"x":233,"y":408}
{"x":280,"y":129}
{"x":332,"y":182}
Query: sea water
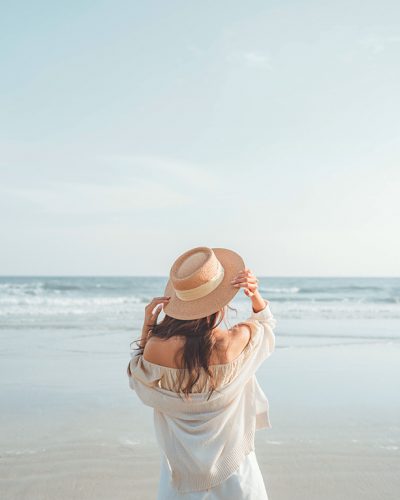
{"x":109,"y":302}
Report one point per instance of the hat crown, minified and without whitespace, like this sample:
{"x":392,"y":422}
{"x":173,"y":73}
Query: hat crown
{"x":199,"y":282}
{"x":194,"y":268}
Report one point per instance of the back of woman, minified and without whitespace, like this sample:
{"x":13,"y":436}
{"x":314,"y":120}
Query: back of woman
{"x":200,"y":378}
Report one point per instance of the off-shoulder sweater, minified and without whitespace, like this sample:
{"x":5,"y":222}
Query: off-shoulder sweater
{"x":205,"y":439}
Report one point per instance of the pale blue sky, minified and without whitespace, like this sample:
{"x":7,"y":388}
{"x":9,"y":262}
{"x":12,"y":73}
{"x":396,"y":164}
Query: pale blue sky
{"x":132,"y":131}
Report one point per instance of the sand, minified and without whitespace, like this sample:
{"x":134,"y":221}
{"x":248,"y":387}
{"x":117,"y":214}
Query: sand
{"x":70,"y":427}
{"x":301,"y":472}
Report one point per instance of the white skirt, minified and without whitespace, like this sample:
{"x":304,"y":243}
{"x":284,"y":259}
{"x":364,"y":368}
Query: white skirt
{"x":244,"y":484}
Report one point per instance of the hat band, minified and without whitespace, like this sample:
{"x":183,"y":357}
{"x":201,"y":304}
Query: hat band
{"x":201,"y":291}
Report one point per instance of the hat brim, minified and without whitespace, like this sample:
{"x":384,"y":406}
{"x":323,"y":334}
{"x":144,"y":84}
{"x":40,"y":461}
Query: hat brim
{"x":214,"y":301}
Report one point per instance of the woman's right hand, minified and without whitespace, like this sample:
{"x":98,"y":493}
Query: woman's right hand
{"x":247,"y":280}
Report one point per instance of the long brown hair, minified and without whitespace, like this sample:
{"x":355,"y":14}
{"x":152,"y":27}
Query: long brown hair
{"x":198,"y":347}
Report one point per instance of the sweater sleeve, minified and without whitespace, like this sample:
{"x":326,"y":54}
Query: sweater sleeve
{"x":262,"y":324}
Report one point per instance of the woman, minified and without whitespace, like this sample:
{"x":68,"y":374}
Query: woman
{"x":200,"y":378}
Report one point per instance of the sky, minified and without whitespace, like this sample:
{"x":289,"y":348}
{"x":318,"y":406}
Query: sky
{"x":132,"y":131}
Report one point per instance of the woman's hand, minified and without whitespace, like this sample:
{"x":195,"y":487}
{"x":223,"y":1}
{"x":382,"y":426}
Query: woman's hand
{"x":153,"y":309}
{"x":247,"y":280}
{"x":151,"y":313}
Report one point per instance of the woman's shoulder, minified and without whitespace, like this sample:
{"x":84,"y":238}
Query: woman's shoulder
{"x":163,"y":352}
{"x":236,"y":339}
{"x":228,"y":346}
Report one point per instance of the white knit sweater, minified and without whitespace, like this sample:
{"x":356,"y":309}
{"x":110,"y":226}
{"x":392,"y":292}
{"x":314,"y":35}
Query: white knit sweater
{"x":204,"y":440}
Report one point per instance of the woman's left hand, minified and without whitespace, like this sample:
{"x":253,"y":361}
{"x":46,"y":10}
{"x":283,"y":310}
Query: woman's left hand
{"x":152,"y":311}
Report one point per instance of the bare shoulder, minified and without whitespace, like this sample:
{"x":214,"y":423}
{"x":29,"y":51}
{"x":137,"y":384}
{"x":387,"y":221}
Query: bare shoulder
{"x":162,"y":351}
{"x":240,"y":334}
{"x":235,"y":339}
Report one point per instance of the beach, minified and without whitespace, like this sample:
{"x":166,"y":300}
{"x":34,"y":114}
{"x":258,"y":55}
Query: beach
{"x":71,"y":427}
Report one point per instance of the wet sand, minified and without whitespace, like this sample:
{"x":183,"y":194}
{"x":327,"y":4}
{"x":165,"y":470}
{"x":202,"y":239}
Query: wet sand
{"x":301,"y":472}
{"x":70,"y":427}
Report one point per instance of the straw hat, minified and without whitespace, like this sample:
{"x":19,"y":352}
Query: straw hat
{"x":200,"y":282}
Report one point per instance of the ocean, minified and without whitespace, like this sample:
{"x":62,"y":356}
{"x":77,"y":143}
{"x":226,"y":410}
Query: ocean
{"x":115,"y":302}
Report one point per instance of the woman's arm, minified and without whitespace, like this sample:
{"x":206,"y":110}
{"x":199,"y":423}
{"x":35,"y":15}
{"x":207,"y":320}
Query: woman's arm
{"x":151,"y":312}
{"x":258,"y":302}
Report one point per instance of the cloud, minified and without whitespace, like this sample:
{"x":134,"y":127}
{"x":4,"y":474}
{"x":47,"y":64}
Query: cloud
{"x":179,"y":173}
{"x":252,"y":59}
{"x":129,"y":183}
